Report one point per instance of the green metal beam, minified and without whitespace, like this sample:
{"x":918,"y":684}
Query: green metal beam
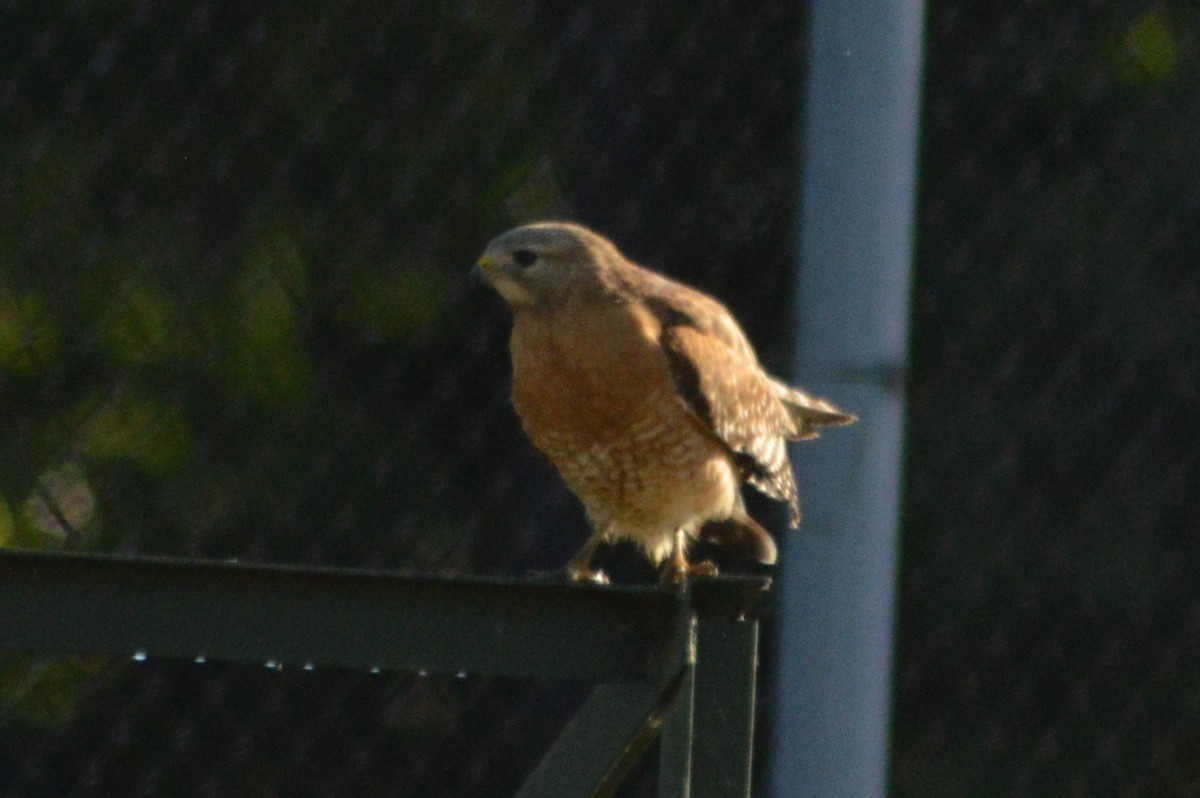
{"x":679,"y":661}
{"x":723,"y":709}
{"x":675,"y":747}
{"x":708,"y":729}
{"x":227,"y":611}
{"x":52,"y":602}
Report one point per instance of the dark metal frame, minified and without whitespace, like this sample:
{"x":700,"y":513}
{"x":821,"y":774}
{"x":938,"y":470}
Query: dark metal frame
{"x":676,"y":664}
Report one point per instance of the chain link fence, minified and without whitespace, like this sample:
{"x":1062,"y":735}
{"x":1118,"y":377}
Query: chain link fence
{"x":1049,"y":619}
{"x":235,"y":322}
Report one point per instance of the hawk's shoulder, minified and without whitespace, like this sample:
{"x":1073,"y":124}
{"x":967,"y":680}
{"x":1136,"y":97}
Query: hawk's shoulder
{"x":718,"y":377}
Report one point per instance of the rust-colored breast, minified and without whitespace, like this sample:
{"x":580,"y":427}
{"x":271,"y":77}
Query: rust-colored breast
{"x":587,"y":370}
{"x":594,"y":393}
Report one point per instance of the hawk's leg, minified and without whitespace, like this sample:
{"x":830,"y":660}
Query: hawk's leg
{"x":579,"y":569}
{"x":678,"y":568}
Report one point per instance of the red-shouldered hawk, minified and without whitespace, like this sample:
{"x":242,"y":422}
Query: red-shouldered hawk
{"x":646,"y":396}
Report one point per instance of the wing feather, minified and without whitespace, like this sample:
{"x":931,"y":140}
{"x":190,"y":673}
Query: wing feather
{"x":718,"y":377}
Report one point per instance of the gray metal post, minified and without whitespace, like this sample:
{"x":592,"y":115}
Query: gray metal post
{"x":855,"y":227}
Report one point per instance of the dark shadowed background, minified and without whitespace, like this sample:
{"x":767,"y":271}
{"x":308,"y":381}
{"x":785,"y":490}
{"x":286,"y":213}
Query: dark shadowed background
{"x":236,"y":322}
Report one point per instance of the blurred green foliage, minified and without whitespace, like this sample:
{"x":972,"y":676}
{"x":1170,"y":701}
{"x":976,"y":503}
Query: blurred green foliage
{"x":268,"y":354}
{"x":1149,"y":49}
{"x":30,"y":341}
{"x":44,"y":692}
{"x":217,"y":226}
{"x":139,"y":429}
{"x":209,"y":241}
{"x":8,"y":525}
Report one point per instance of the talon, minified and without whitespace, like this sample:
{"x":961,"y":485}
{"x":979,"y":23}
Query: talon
{"x":578,"y":575}
{"x":678,"y":569}
{"x":676,"y":573}
{"x":672,"y":576}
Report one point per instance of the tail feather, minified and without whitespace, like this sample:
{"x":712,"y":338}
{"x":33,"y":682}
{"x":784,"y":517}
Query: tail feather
{"x":809,"y":413}
{"x":741,"y":536}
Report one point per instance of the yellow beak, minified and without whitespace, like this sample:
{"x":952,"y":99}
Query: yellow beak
{"x":485,"y":263}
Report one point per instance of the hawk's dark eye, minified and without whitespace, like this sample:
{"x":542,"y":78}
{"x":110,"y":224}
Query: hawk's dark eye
{"x":524,"y":257}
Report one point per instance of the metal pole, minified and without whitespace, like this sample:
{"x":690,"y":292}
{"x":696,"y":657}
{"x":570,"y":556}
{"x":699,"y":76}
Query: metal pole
{"x":855,"y":227}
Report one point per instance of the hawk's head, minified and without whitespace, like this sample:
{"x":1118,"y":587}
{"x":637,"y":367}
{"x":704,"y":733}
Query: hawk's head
{"x":546,"y":263}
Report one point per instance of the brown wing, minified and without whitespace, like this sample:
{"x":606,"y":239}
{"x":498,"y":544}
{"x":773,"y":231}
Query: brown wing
{"x":718,"y":377}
